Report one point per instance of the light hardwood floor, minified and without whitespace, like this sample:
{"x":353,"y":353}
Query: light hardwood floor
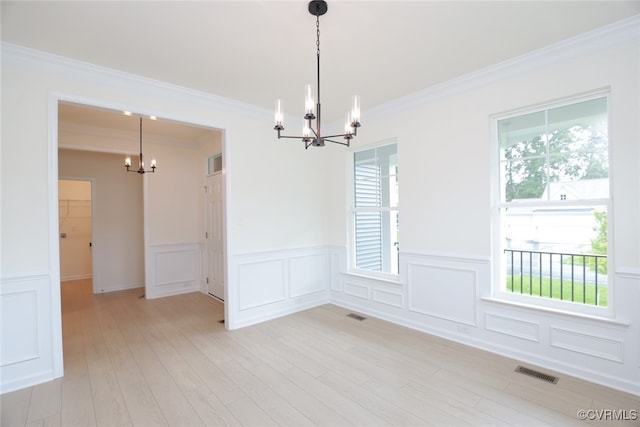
{"x":134,"y":362}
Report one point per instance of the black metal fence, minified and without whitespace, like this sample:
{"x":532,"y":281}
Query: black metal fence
{"x":566,"y":276}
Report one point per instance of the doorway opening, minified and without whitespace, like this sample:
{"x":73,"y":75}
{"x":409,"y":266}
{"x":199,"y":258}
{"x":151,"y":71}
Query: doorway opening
{"x":165,"y":247}
{"x":75,"y":224}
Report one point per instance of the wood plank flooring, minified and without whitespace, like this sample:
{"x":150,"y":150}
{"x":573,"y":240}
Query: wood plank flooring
{"x":134,"y":362}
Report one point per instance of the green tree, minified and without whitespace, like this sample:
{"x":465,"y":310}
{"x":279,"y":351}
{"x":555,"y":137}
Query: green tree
{"x":571,"y":154}
{"x":599,"y":245}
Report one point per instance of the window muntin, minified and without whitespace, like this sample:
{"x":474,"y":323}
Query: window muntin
{"x":554,"y":195}
{"x":375,"y":215}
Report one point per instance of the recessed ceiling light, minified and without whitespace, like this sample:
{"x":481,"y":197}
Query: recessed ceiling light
{"x":127,"y":113}
{"x":152,"y":117}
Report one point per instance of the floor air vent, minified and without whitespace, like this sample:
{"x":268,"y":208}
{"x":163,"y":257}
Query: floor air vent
{"x":539,"y":375}
{"x":356,"y":316}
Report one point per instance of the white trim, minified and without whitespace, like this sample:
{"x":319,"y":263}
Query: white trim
{"x":552,"y":310}
{"x":131,"y":83}
{"x":444,"y":256}
{"x":513,"y":352}
{"x":54,"y":256}
{"x":266,"y":283}
{"x":615,"y":356}
{"x":351,"y":211}
{"x":498,"y":207}
{"x":628,"y":273}
{"x":54,"y":244}
{"x":392,"y":279}
{"x":532,"y":203}
{"x":603,"y":92}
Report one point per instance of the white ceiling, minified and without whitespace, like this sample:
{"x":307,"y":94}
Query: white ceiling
{"x":258,"y":51}
{"x":79,"y":118}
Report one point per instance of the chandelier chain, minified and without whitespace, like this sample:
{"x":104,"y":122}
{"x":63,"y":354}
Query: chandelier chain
{"x":318,"y":35}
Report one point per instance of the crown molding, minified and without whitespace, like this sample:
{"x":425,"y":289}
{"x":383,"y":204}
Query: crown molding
{"x":611,"y":35}
{"x":26,"y":58}
{"x":607,"y":36}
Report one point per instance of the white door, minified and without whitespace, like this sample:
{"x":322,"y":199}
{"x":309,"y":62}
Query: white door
{"x":215,"y":236}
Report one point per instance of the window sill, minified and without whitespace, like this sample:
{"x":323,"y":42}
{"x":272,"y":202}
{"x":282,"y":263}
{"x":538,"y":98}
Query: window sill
{"x":573,"y":314}
{"x":386,"y":278}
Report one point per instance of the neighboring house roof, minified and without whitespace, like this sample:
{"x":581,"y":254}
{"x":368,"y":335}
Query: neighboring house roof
{"x":577,"y":190}
{"x":572,"y":190}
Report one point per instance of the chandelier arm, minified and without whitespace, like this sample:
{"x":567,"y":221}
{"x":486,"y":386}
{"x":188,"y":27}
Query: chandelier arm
{"x":338,"y":135}
{"x":336,"y":142}
{"x":292,"y":137}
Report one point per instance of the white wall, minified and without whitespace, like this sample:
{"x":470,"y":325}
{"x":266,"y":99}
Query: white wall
{"x":445,"y":160}
{"x":118,"y":243}
{"x":173,"y":200}
{"x":259,"y":190}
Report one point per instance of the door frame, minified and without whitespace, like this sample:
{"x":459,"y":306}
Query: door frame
{"x":222,"y":174}
{"x":93,"y":231}
{"x":54,"y":249}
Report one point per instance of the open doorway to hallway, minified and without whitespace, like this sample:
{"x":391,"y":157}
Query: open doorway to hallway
{"x":75,"y":229}
{"x":116,"y":241}
{"x":152,"y":227}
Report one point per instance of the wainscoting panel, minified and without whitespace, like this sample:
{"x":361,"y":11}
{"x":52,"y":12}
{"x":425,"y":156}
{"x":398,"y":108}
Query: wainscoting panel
{"x":357,"y":290}
{"x":443,"y":291}
{"x":175,"y":269}
{"x":589,"y":344}
{"x":308,"y":274}
{"x":450,"y":296}
{"x":261,"y":283}
{"x":512,"y":326}
{"x":20,"y":308}
{"x":627,"y":287}
{"x":26,"y":339}
{"x":392,"y":298}
{"x":271,"y":284}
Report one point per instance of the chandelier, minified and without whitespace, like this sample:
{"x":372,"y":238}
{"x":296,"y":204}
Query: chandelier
{"x":313,"y":136}
{"x":140,"y":170}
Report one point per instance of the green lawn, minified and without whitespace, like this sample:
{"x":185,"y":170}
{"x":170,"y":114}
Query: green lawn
{"x":547,"y":289}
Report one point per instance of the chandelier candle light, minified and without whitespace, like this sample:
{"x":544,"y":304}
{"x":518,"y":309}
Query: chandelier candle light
{"x":140,"y":170}
{"x":310,"y":135}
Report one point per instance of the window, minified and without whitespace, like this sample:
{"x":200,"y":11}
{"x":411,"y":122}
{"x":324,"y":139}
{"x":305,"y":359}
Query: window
{"x":553,"y":179}
{"x":214,"y":164}
{"x":375,"y":209}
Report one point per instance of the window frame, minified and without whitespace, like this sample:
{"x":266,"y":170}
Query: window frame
{"x":498,"y":207}
{"x":352,"y":210}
